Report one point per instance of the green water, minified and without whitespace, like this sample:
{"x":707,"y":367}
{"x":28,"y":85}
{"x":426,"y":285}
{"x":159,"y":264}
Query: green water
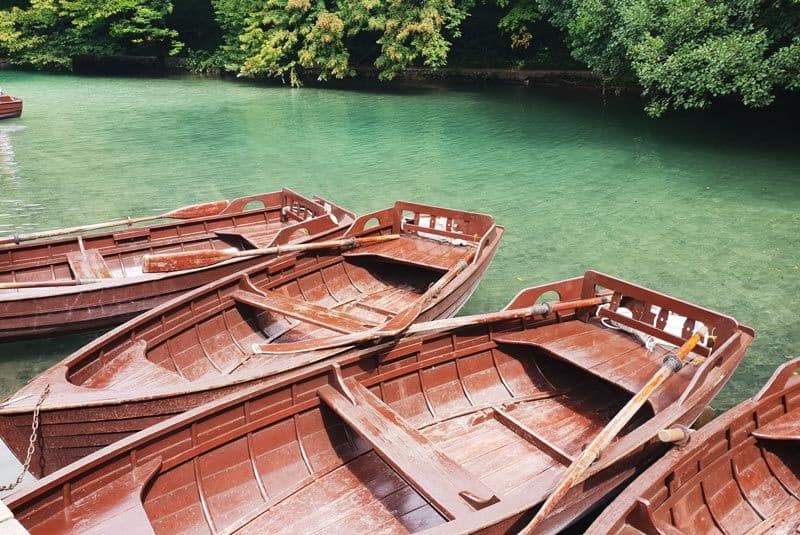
{"x":703,"y":207}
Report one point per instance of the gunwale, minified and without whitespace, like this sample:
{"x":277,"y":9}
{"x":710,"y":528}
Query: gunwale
{"x":47,"y":311}
{"x":381,"y":371}
{"x":648,"y":504}
{"x":72,"y":401}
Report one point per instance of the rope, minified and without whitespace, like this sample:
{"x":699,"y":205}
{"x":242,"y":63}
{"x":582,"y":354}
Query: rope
{"x":31,"y":442}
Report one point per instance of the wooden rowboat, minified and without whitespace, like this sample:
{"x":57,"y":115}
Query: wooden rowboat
{"x":61,"y":285}
{"x":459,"y":431}
{"x":200,"y":346}
{"x":10,"y":107}
{"x":739,"y":474}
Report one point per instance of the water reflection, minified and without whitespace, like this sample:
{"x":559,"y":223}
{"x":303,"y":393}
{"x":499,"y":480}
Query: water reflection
{"x":9,"y":168}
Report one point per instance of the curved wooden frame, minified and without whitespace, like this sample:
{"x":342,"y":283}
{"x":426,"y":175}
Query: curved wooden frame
{"x":738,"y":474}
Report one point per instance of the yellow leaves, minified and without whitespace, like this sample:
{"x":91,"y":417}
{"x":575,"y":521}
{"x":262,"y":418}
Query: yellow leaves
{"x":521,"y":41}
{"x":298,"y":5}
{"x":330,"y":22}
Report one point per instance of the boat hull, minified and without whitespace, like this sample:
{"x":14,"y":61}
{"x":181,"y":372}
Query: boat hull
{"x":71,"y":432}
{"x":11,"y":108}
{"x":62,"y":310}
{"x":459,"y":431}
{"x":738,"y":474}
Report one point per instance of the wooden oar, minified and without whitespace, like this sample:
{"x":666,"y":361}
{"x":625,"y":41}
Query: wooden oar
{"x":166,"y":262}
{"x":672,"y":363}
{"x":391,"y":329}
{"x":48,"y":284}
{"x":428,"y":326}
{"x":187,"y":212}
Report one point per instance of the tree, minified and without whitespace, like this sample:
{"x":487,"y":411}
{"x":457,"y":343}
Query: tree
{"x":50,"y":33}
{"x":689,"y":53}
{"x":287,"y":36}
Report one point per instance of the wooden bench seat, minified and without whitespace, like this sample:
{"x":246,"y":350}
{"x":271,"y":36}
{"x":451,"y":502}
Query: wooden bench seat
{"x":253,"y":238}
{"x":304,"y":311}
{"x":89,"y":514}
{"x":786,"y":427}
{"x":88,"y":265}
{"x":450,"y":488}
{"x":132,"y":370}
{"x":613,"y":355}
{"x":412,"y":250}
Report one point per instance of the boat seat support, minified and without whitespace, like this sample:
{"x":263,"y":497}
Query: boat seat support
{"x":447,"y":485}
{"x":124,"y":492}
{"x":87,"y":265}
{"x":303,"y":311}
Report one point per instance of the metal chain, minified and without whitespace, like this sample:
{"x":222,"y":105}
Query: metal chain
{"x":31,"y":443}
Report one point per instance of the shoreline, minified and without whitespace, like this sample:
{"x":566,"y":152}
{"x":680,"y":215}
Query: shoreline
{"x":365,"y":76}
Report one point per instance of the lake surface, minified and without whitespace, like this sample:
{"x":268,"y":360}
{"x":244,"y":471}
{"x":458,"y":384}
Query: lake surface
{"x":704,"y":207}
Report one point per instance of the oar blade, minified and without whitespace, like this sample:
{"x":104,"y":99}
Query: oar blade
{"x":206,"y":209}
{"x":168,"y":262}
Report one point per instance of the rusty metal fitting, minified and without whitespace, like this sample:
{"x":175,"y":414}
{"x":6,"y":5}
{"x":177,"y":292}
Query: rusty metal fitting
{"x":537,"y":307}
{"x":672,"y":362}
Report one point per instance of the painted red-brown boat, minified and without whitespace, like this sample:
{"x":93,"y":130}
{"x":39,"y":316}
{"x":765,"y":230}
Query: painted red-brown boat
{"x":102,"y":273}
{"x":10,"y":107}
{"x":200,"y":346}
{"x":740,"y":474}
{"x":458,"y":431}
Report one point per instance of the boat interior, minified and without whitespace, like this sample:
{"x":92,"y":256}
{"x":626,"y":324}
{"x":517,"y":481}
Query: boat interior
{"x":746,"y":479}
{"x":209,"y":336}
{"x":397,"y":439}
{"x":246,"y":223}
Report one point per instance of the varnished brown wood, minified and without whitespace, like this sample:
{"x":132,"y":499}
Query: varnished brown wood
{"x":446,"y":433}
{"x":740,"y":474}
{"x":198,"y":347}
{"x":408,"y":451}
{"x":60,"y":285}
{"x":577,"y":469}
{"x":10,"y":107}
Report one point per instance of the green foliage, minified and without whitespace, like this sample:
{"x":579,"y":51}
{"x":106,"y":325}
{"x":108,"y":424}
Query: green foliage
{"x":684,"y":54}
{"x":231,"y":16}
{"x":517,"y":21}
{"x":687,"y":53}
{"x":288,"y":35}
{"x":284,"y":37}
{"x":49,"y":33}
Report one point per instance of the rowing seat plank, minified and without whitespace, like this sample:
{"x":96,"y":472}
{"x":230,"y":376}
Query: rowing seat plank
{"x":253,"y":239}
{"x":303,"y":310}
{"x":130,"y":370}
{"x":427,"y":253}
{"x":606,"y":353}
{"x":88,"y":265}
{"x":89,"y":515}
{"x":448,"y":486}
{"x":786,"y":427}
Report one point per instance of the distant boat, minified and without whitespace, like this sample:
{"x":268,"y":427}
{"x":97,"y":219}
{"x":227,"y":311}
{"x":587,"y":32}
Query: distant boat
{"x":10,"y":107}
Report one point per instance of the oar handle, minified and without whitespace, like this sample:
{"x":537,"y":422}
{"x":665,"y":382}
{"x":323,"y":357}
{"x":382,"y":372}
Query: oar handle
{"x":47,"y":284}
